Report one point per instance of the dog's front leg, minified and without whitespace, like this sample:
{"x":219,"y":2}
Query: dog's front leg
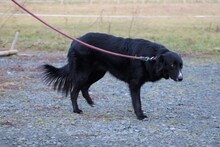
{"x":136,"y":101}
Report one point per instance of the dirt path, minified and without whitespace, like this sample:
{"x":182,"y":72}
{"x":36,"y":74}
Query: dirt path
{"x":180,"y":114}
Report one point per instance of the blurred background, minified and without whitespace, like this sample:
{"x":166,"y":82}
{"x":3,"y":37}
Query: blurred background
{"x":186,"y":26}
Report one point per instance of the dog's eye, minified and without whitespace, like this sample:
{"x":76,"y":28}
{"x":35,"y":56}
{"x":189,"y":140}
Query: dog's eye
{"x":173,"y":66}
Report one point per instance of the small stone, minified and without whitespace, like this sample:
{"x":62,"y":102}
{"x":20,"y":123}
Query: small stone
{"x":59,"y":144}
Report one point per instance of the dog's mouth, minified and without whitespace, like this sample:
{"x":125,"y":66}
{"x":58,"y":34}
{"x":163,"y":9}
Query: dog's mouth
{"x":178,"y":78}
{"x":166,"y":75}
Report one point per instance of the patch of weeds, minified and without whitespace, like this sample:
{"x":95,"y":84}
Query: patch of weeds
{"x":39,"y":122}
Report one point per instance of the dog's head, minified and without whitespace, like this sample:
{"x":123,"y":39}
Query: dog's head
{"x":170,"y":65}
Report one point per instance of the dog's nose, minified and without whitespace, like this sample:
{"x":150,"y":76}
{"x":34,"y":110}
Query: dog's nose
{"x":180,"y":78}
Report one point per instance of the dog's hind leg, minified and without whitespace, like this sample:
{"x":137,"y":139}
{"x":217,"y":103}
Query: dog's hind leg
{"x":85,"y":93}
{"x":95,"y":76}
{"x":74,"y":96}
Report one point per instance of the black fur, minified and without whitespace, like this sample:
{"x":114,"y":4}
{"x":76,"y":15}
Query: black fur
{"x":86,"y":66}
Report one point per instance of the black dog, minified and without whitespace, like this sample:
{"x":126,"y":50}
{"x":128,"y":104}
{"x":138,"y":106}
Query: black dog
{"x":86,"y":66}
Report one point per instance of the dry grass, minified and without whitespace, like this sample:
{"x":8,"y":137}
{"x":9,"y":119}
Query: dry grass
{"x":183,"y":33}
{"x":154,"y":9}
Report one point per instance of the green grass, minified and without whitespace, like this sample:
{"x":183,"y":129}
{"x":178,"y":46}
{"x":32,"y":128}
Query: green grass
{"x":183,"y":34}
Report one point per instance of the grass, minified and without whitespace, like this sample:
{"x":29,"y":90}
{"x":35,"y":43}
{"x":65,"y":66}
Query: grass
{"x":183,"y":34}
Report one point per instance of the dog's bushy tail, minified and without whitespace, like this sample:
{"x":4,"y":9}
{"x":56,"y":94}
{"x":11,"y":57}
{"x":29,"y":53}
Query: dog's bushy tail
{"x":58,"y":78}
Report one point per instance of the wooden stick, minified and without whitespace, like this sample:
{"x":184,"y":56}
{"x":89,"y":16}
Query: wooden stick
{"x":14,"y":41}
{"x":8,"y":52}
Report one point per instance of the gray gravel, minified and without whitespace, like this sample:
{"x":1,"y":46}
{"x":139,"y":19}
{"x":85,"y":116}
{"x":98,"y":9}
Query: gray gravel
{"x":180,"y":114}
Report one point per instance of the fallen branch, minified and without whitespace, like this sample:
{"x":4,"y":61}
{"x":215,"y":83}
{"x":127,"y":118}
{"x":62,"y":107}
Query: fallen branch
{"x":8,"y":52}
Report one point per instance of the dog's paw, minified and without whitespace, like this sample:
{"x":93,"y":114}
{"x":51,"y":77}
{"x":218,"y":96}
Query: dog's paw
{"x":78,"y":111}
{"x":92,"y":105}
{"x":142,"y":117}
{"x":145,"y":119}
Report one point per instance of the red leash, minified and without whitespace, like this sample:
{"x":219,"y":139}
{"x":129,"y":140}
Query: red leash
{"x":81,"y":42}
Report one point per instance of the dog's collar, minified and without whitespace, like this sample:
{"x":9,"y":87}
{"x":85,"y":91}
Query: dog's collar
{"x":148,"y":58}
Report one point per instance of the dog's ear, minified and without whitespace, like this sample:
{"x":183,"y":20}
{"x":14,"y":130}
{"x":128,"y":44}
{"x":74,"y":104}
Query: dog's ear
{"x":160,"y":67}
{"x":161,"y":58}
{"x":159,"y":64}
{"x":160,"y":61}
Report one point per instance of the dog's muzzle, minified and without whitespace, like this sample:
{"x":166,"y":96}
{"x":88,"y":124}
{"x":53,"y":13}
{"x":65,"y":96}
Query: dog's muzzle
{"x":180,"y":76}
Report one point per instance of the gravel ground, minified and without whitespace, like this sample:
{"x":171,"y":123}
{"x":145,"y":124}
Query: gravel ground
{"x":180,"y":114}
